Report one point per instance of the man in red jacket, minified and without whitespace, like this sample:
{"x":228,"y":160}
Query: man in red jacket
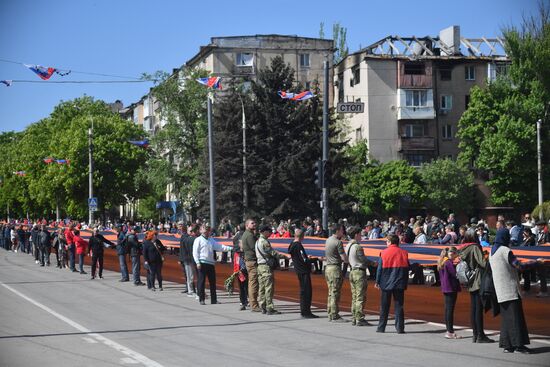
{"x":392,"y":278}
{"x":81,"y":246}
{"x":69,"y":236}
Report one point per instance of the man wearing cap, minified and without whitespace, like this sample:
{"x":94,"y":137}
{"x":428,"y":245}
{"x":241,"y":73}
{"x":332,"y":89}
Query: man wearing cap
{"x":334,"y":257}
{"x":203,"y":254}
{"x":265,"y":252}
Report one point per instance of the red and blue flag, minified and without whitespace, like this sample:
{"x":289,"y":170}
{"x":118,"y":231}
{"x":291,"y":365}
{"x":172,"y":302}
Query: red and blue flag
{"x":213,"y":82}
{"x":62,"y":161}
{"x":296,"y":96}
{"x":140,"y":143}
{"x":48,"y":160}
{"x":44,"y":73}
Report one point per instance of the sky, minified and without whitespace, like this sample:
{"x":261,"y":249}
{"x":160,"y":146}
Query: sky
{"x":126,"y":38}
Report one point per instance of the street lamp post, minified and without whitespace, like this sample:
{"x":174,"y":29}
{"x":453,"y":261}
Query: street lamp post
{"x":90,"y":171}
{"x":539,"y":162}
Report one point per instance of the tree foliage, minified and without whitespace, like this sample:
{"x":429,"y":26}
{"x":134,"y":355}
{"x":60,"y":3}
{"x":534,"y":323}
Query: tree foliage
{"x":497,"y":131}
{"x":449,"y":186}
{"x":64,"y":135}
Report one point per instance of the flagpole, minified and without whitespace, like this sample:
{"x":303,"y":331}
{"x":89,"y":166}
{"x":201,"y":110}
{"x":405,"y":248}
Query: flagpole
{"x":90,"y":172}
{"x":324,"y":178}
{"x":245,"y":186}
{"x":211,"y":163}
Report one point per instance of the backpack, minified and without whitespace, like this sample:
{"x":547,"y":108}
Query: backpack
{"x":465,"y":274}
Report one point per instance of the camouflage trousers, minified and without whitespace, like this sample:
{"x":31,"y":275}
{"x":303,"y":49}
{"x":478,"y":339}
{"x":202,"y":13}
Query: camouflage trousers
{"x":333,"y":276}
{"x":358,"y":285}
{"x":266,"y":287}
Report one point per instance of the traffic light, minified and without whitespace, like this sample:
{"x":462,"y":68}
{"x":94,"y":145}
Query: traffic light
{"x":319,"y":174}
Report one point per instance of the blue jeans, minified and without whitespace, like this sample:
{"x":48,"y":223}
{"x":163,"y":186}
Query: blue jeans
{"x":71,"y":257}
{"x":135,"y":269}
{"x":81,"y":262}
{"x":123,"y":267}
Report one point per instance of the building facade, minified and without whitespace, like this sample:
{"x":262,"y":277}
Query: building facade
{"x":415,"y":90}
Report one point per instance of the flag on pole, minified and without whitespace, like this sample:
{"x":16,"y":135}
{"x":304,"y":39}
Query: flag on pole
{"x":48,"y":160}
{"x":7,"y":82}
{"x":20,"y":173}
{"x":63,"y":161}
{"x":213,"y":82}
{"x":140,"y":143}
{"x":296,"y":96}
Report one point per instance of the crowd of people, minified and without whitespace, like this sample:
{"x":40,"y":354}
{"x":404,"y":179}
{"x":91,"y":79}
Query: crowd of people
{"x":490,"y":278}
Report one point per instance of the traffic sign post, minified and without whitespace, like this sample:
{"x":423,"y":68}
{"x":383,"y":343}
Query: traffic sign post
{"x":93,"y":203}
{"x":350,"y":107}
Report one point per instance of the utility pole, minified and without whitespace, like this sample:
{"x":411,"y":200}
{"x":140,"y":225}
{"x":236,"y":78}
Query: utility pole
{"x":324,"y":180}
{"x":211,"y":162}
{"x":539,"y":164}
{"x":90,"y":171}
{"x":245,"y":186}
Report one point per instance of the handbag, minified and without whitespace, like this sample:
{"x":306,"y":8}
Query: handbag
{"x":271,"y":262}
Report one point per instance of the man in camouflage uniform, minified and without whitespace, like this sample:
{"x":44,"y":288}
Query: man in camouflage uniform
{"x":334,"y":257}
{"x":358,"y":276}
{"x":264,"y":251}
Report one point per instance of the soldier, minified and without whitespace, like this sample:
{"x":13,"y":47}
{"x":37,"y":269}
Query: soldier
{"x":335,"y":256}
{"x":267,"y":260}
{"x":249,"y":242}
{"x":358,"y":276}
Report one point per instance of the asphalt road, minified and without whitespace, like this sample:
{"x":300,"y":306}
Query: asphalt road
{"x":53,"y":317}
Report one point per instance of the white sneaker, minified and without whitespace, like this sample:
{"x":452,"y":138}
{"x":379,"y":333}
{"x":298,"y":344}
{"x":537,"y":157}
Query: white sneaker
{"x":15,"y":251}
{"x":192,"y":295}
{"x":36,"y":261}
{"x":196,"y":296}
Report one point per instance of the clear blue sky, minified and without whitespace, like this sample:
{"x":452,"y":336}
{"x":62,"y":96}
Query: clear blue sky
{"x":129,"y":37}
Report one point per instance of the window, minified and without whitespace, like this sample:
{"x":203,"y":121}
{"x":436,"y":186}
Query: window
{"x":446,"y":102}
{"x":308,"y":85}
{"x":416,"y":160}
{"x":341,"y":87}
{"x":416,"y":98}
{"x":447,"y":132}
{"x":445,"y":74}
{"x":466,"y":101}
{"x":356,"y":72}
{"x":244,"y":59}
{"x":414,"y":130}
{"x":414,"y":68}
{"x":358,"y":134}
{"x":304,"y":60}
{"x":470,"y":72}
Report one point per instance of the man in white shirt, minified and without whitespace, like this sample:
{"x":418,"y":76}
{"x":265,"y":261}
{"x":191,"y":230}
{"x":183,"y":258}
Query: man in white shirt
{"x":203,"y":254}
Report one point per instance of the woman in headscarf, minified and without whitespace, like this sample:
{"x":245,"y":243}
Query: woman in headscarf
{"x":513,"y":329}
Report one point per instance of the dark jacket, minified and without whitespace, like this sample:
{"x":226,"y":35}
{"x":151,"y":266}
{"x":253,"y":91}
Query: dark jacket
{"x":133,"y":245}
{"x":393,"y":269}
{"x":59,"y":241}
{"x":44,"y":239}
{"x":186,"y":252}
{"x":299,"y":258}
{"x":152,"y":252}
{"x":121,"y":244}
{"x":96,"y":244}
{"x":249,"y":245}
{"x":34,"y":237}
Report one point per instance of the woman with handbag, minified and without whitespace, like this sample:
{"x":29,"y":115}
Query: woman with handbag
{"x":450,"y":287}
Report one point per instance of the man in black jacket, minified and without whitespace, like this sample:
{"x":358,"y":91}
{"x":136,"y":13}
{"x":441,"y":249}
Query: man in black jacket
{"x":135,"y":254}
{"x":186,"y":258}
{"x":96,"y":246}
{"x":122,"y":251}
{"x":35,"y":246}
{"x":302,"y":267}
{"x":44,"y":244}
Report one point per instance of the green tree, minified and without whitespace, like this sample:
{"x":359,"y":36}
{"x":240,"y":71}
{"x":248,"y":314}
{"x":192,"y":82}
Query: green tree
{"x":449,"y":186}
{"x":379,"y":188}
{"x":339,"y":34}
{"x":497,"y":131}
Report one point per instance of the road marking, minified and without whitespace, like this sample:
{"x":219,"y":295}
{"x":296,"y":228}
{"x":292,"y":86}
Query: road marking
{"x":132,"y":354}
{"x":127,"y":360}
{"x":90,"y":340}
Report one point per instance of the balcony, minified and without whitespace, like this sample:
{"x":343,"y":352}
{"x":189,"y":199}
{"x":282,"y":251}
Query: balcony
{"x":415,"y":104}
{"x":420,"y":143}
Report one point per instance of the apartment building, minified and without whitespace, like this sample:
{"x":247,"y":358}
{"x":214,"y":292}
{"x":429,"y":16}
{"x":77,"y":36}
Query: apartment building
{"x":415,"y":90}
{"x":244,"y":56}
